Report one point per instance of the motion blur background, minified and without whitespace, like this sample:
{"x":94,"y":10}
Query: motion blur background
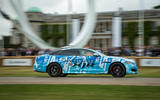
{"x":129,"y":28}
{"x":123,"y":28}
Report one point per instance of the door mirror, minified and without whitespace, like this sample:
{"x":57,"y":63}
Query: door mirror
{"x":96,"y":55}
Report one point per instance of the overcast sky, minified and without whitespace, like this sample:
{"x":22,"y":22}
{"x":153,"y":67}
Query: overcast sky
{"x":51,"y":6}
{"x":78,"y":6}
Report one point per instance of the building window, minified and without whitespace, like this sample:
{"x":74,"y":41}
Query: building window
{"x":96,"y":29}
{"x":108,"y":26}
{"x":61,"y":28}
{"x":98,"y":43}
{"x":154,"y":26}
{"x":99,"y":27}
{"x":50,"y":30}
{"x":103,"y":27}
{"x":124,"y":27}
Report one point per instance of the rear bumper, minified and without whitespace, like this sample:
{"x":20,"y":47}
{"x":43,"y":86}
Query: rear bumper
{"x":39,"y":68}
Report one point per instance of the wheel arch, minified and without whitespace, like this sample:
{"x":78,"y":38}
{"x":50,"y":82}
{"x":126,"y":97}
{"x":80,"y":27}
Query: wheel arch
{"x":115,"y":63}
{"x":53,"y":63}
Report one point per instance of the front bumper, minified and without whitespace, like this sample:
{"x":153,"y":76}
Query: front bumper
{"x":131,"y":69}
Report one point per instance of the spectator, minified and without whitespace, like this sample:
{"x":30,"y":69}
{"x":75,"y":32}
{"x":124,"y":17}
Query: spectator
{"x":127,"y":51}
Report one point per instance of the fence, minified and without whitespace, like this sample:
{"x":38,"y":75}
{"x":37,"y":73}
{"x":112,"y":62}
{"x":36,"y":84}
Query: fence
{"x":14,"y":61}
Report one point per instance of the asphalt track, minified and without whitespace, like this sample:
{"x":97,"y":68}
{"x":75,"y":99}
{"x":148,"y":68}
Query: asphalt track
{"x":81,"y":80}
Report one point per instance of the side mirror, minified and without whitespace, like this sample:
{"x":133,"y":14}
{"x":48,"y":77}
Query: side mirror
{"x":96,"y":55}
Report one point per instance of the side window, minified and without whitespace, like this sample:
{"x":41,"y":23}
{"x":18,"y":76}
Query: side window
{"x":54,"y":53}
{"x":69,"y":52}
{"x":86,"y":53}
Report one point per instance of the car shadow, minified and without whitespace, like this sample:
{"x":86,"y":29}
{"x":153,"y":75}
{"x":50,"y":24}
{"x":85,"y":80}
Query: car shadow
{"x":85,"y":77}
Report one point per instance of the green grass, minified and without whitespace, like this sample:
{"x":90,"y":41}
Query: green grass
{"x":28,"y":71}
{"x":78,"y":92}
{"x":19,"y":71}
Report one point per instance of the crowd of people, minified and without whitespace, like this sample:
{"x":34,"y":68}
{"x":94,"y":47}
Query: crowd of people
{"x":121,"y":51}
{"x":23,"y":52}
{"x":125,"y":51}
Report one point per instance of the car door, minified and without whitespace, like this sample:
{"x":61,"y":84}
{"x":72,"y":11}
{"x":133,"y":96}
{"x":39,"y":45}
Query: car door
{"x":91,"y":63}
{"x":70,"y":61}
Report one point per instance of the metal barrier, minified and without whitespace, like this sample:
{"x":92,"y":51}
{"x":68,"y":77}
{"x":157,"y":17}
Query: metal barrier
{"x":147,"y":61}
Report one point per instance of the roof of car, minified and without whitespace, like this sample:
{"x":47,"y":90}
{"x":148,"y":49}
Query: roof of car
{"x":74,"y":48}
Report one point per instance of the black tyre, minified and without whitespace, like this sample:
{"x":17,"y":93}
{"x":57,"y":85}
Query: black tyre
{"x":117,"y":70}
{"x":54,"y":70}
{"x":63,"y":75}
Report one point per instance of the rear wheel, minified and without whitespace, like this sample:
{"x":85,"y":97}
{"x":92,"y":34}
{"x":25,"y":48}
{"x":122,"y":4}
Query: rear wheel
{"x":54,"y":70}
{"x":117,"y":70}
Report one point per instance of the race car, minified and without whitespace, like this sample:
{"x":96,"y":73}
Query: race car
{"x":80,"y":60}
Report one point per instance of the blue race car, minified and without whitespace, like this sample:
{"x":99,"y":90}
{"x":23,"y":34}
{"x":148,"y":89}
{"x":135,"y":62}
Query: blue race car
{"x":80,"y":60}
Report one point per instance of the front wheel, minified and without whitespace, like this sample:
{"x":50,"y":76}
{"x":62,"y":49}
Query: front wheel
{"x":54,"y":70}
{"x":117,"y":70}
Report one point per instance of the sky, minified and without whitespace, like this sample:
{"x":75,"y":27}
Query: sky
{"x":78,"y":6}
{"x":61,"y":6}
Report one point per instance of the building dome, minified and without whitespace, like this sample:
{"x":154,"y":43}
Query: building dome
{"x":34,"y":9}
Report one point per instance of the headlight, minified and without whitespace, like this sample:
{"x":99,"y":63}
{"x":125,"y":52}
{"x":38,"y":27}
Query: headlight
{"x":129,"y":62}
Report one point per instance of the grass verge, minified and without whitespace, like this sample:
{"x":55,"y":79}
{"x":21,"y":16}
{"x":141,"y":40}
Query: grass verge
{"x":78,"y":92}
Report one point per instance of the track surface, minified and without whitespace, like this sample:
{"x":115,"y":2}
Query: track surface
{"x":81,"y":80}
